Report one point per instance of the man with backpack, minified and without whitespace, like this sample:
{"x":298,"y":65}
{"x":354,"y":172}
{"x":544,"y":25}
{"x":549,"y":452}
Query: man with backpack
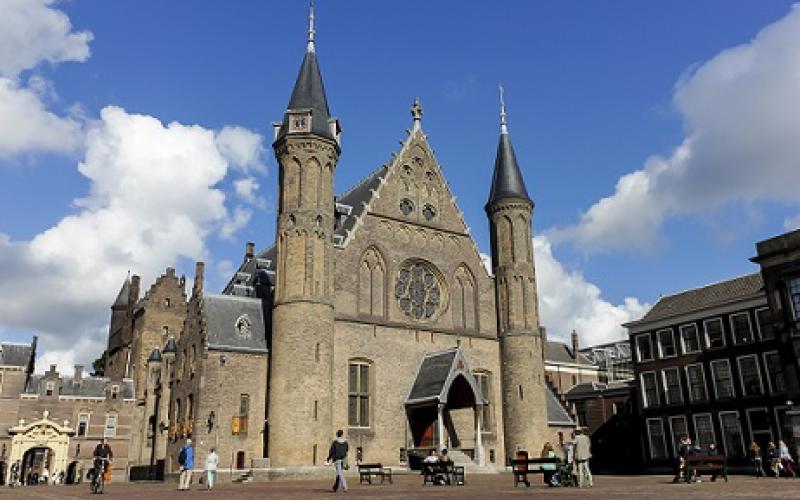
{"x":186,"y":461}
{"x":338,"y":455}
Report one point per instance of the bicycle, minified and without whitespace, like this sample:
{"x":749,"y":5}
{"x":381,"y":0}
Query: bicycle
{"x":98,"y":472}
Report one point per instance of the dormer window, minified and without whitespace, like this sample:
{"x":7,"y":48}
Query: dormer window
{"x":299,"y":123}
{"x":114,"y":391}
{"x":49,"y":388}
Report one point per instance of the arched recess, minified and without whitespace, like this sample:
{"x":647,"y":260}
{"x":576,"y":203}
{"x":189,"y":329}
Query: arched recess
{"x":465,"y":299}
{"x":506,"y":243}
{"x":372,"y":283}
{"x":312,"y":175}
{"x":521,"y":240}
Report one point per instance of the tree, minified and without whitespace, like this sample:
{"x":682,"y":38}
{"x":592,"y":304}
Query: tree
{"x":99,"y":365}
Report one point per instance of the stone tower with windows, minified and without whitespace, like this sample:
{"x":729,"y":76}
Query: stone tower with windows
{"x":307,"y":149}
{"x":509,"y":210}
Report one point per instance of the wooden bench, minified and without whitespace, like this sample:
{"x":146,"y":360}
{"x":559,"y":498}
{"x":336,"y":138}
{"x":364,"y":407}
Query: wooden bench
{"x":716,"y":465}
{"x":452,"y":473}
{"x":367,"y":471}
{"x":521,"y":467}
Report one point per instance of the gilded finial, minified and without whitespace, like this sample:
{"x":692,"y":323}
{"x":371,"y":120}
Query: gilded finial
{"x":503,"y":125}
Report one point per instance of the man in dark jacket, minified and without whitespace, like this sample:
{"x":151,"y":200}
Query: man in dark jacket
{"x":338,"y":455}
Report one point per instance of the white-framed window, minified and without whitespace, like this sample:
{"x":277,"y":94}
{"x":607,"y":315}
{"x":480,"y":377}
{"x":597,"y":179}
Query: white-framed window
{"x":111,"y":426}
{"x":49,"y":388}
{"x":763,"y":324}
{"x":644,"y":347}
{"x":696,"y":380}
{"x":671,"y":379}
{"x":732,"y":438}
{"x":781,"y":424}
{"x":655,"y":436}
{"x":741,"y":328}
{"x":750,"y":375}
{"x":678,"y":429}
{"x":774,"y":369}
{"x":704,"y":430}
{"x":715,"y":334}
{"x":114,"y":391}
{"x":690,"y":339}
{"x":722,"y":379}
{"x":649,"y":389}
{"x":666,"y":343}
{"x":83,"y":425}
{"x":759,"y":425}
{"x":793,"y":287}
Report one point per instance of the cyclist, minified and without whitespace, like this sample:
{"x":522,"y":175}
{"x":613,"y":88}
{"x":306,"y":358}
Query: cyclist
{"x":102,"y":458}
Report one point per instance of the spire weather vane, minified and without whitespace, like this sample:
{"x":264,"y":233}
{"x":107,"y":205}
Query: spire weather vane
{"x":503,"y":126}
{"x":311,"y":29}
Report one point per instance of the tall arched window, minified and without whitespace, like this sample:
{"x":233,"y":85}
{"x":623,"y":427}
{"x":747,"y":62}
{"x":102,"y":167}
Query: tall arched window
{"x":372,"y":284}
{"x":464,"y":299}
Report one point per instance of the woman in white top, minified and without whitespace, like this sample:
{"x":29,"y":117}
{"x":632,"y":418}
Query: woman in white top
{"x":212,"y":460}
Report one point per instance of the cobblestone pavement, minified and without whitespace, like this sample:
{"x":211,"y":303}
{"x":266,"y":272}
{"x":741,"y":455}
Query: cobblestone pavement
{"x":407,"y":487}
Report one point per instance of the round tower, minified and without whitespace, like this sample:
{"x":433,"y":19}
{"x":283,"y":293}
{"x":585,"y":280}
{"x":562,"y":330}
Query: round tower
{"x":522,"y":366}
{"x":307,"y":149}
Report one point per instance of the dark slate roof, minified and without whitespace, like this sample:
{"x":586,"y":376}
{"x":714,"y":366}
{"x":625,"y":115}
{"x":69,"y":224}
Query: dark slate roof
{"x":309,"y":93}
{"x":432,"y":375}
{"x":171,"y":346}
{"x":559,"y":352}
{"x":124,"y":293}
{"x":697,"y":299}
{"x":356,"y":198}
{"x":12,"y":354}
{"x":593,"y":389}
{"x":222,"y":312}
{"x":556,"y":414}
{"x":507,"y":180}
{"x":155,"y":355}
{"x":87,"y":387}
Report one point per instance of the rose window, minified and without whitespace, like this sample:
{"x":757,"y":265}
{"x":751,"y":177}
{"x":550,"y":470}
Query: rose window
{"x":418,"y":290}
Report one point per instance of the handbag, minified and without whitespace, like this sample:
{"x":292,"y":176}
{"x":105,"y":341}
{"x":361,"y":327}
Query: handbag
{"x":345,"y":464}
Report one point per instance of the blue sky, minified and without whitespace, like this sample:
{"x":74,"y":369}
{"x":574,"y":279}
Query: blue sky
{"x":591,"y":92}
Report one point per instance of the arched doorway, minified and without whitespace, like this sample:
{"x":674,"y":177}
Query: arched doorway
{"x":35,"y":461}
{"x":445,"y":405}
{"x":39,"y":445}
{"x":240,"y":460}
{"x":71,"y":476}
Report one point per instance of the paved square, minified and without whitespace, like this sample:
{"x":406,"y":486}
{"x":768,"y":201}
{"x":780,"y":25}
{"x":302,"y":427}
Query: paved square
{"x":405,"y":487}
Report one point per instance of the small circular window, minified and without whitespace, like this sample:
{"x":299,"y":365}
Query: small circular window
{"x":418,"y":290}
{"x":429,"y":212}
{"x":406,"y":206}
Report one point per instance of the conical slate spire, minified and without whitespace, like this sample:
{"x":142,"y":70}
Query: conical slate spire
{"x":124,"y":293}
{"x":309,"y":93}
{"x":507,"y":180}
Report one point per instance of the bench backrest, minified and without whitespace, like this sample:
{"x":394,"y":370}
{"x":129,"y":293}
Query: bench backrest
{"x":370,"y":466}
{"x":693,"y":459}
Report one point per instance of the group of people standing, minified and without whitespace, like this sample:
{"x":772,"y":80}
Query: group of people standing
{"x":186,"y":463}
{"x":577,"y":453}
{"x":778,"y":458}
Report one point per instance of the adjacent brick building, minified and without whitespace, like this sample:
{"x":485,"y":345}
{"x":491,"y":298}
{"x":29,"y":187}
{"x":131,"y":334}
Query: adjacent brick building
{"x":707,"y":363}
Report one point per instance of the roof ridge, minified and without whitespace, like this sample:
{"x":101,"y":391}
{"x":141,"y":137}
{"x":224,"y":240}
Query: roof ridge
{"x":709,"y":285}
{"x":360,"y":183}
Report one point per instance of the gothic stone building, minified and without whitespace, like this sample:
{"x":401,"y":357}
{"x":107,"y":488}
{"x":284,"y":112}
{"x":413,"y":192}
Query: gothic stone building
{"x":372,"y":312}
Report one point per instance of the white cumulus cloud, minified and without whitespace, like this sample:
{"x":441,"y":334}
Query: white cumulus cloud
{"x":243,"y":148}
{"x":740,"y":113}
{"x":152,"y":201}
{"x":567,"y":301}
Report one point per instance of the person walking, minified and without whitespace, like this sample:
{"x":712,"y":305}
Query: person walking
{"x":338,"y":455}
{"x":786,"y":459}
{"x":682,"y":452}
{"x":212,"y":461}
{"x":583,"y":452}
{"x":773,"y":459}
{"x":756,"y":459}
{"x":186,"y":461}
{"x":548,"y":470}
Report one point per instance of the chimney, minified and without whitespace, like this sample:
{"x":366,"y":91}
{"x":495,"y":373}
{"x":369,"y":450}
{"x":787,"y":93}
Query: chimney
{"x":134,"y":293}
{"x":575,"y":345}
{"x":249,"y":250}
{"x":78,"y":373}
{"x":199,"y":272}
